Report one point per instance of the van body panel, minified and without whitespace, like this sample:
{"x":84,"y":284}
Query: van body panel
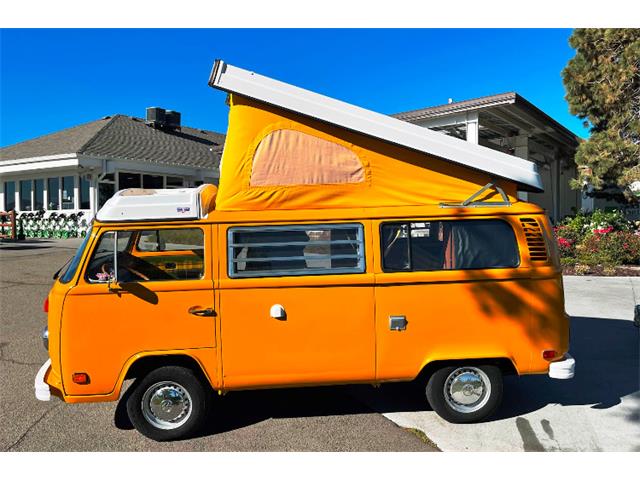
{"x":105,"y":328}
{"x":327,"y":335}
{"x":456,"y":314}
{"x":206,"y":358}
{"x":337,"y":326}
{"x":450,"y":320}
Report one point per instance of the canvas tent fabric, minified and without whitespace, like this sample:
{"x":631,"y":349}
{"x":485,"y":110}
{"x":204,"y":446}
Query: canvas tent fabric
{"x":355,"y":171}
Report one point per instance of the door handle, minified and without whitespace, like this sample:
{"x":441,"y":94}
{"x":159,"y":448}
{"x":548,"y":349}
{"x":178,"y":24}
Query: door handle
{"x":397,"y":322}
{"x":202,"y":312}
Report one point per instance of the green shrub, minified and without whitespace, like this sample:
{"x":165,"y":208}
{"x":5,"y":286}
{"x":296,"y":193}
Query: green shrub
{"x":609,"y":249}
{"x":576,"y":228}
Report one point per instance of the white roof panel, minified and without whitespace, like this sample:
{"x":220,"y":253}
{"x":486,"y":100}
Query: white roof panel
{"x":152,"y":204}
{"x":243,"y":82}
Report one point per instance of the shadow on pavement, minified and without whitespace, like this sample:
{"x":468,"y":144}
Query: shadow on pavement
{"x":607,"y":369}
{"x":606,"y":353}
{"x":31,"y":244}
{"x":23,"y":247}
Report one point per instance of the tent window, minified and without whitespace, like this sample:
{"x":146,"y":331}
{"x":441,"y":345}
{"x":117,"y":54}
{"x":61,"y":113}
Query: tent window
{"x":296,"y":250}
{"x":448,"y":245}
{"x":289,"y":157}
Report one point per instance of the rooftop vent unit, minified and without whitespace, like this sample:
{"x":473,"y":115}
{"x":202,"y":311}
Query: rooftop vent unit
{"x":156,"y":117}
{"x":172,"y":119}
{"x":160,"y":118}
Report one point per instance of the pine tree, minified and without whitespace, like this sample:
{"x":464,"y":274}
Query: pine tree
{"x":602,"y":83}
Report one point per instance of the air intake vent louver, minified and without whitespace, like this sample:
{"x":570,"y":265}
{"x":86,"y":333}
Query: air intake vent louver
{"x":535,"y":240}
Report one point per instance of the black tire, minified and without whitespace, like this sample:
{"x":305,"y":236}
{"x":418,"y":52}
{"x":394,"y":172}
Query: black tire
{"x":454,"y":412}
{"x":186,"y":401}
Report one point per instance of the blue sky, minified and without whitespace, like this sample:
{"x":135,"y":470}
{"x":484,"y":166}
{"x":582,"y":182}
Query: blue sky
{"x":54,"y":79}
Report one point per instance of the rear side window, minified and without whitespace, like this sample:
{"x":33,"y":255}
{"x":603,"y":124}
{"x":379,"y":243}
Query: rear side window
{"x":448,"y":245}
{"x":295,"y":250}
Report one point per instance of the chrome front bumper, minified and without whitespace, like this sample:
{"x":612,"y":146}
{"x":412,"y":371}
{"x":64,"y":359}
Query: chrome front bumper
{"x":563,"y":369}
{"x":43,"y":392}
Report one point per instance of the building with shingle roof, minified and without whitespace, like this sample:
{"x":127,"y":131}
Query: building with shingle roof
{"x":509,"y":123}
{"x":79,"y":168}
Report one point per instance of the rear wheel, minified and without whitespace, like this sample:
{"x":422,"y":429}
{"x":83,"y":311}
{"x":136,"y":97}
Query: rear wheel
{"x":465,"y":393}
{"x":169,"y":403}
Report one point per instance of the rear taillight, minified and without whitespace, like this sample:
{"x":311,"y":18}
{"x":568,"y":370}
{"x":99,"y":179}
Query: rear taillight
{"x":45,"y":305}
{"x":549,"y":354}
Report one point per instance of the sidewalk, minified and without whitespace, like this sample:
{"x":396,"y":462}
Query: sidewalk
{"x":597,"y":410}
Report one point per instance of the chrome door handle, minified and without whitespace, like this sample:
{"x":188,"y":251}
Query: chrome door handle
{"x":202,"y":312}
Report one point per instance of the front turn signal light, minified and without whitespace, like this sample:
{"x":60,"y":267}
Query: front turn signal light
{"x":80,"y":378}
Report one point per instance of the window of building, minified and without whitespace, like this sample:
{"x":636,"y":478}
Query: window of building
{"x":448,"y":245}
{"x":9,"y":196}
{"x":175,"y":182}
{"x":295,"y":250}
{"x":53,"y":193}
{"x":105,"y":192}
{"x":67,"y":193}
{"x":181,"y":256}
{"x":128,"y":180}
{"x":38,"y":197}
{"x":106,"y":188}
{"x":25,"y":195}
{"x":85,"y":201}
{"x":152,"y":181}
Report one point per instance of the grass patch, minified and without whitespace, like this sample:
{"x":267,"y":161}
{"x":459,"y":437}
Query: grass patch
{"x":422,"y":436}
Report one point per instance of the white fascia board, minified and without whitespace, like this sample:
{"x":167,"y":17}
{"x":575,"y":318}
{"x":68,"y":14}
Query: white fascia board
{"x":141,"y":166}
{"x":243,"y":82}
{"x":9,"y":168}
{"x":45,"y":158}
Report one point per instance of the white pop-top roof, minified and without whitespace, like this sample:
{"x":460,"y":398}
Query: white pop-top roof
{"x":243,"y":82}
{"x":152,"y":204}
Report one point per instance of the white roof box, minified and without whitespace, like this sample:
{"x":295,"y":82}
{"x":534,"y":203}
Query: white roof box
{"x":152,"y":204}
{"x":243,"y":82}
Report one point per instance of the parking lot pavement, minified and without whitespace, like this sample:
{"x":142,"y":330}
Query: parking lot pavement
{"x":597,"y":410}
{"x":309,"y":419}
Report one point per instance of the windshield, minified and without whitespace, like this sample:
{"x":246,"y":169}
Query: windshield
{"x":75,"y":261}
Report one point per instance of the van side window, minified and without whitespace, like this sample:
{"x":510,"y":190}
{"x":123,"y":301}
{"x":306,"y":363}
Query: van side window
{"x":448,"y":245}
{"x":149,"y":255}
{"x":295,"y":250}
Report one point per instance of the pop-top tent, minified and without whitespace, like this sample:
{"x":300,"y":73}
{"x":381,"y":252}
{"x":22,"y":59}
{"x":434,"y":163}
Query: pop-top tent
{"x":289,"y":148}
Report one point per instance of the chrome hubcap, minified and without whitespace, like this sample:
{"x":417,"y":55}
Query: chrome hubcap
{"x":166,"y":405}
{"x":467,"y":389}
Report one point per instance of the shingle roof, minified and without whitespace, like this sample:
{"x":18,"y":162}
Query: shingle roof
{"x":69,"y":140}
{"x":128,"y":138}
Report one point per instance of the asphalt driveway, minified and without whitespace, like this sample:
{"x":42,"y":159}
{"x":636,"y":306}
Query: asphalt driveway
{"x":597,"y":410}
{"x":309,"y":419}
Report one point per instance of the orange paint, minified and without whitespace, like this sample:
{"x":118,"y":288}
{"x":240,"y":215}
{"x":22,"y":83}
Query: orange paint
{"x":336,"y":328}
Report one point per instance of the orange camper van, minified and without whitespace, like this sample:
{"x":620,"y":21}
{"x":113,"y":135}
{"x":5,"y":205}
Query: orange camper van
{"x":341,"y":246}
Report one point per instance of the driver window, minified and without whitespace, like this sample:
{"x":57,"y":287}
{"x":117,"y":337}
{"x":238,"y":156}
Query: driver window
{"x":149,"y":255}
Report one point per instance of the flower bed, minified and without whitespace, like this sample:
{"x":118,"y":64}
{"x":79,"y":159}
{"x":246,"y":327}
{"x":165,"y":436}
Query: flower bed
{"x":600,"y":243}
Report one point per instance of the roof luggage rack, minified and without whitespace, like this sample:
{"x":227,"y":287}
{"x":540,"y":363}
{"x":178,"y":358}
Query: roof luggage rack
{"x":469,"y":202}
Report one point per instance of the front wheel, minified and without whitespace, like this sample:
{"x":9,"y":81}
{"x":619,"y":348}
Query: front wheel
{"x":465,"y":394}
{"x":169,"y":403}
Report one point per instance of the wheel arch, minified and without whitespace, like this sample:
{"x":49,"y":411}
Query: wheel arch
{"x":141,"y":364}
{"x":506,"y":365}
